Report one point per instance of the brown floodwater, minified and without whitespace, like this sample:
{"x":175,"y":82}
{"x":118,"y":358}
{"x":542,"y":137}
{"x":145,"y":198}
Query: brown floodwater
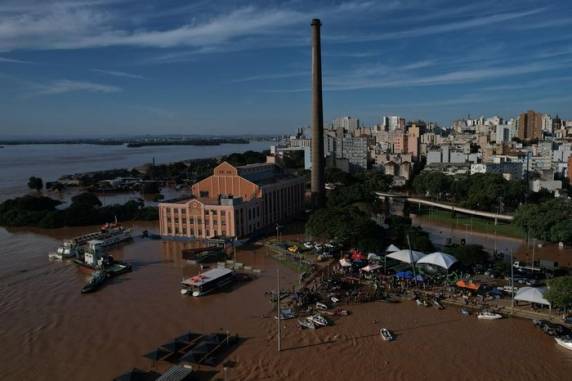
{"x":49,"y":331}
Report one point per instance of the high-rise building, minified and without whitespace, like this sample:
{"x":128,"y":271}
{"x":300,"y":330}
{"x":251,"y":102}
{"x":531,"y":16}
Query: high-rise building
{"x":393,"y":123}
{"x":530,"y":125}
{"x":346,"y":122}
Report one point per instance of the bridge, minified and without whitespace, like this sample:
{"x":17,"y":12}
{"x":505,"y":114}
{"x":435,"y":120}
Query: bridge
{"x":452,"y":208}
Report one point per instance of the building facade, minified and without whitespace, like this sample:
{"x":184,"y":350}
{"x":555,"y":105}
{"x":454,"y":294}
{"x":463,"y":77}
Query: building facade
{"x":234,"y":202}
{"x":530,"y":125}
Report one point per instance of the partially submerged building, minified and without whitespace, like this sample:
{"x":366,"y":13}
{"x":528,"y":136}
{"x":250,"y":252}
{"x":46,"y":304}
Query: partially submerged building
{"x":234,"y":202}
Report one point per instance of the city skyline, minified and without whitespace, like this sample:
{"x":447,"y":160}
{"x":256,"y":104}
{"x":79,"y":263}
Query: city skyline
{"x":111,"y":67}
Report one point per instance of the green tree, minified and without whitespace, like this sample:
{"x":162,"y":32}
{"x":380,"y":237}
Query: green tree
{"x":86,"y":199}
{"x":559,"y":291}
{"x":35,"y":183}
{"x":349,"y":226}
{"x":468,"y":255}
{"x":549,"y":221}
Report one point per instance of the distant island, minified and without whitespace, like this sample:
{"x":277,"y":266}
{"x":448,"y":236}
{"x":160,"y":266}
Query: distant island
{"x":137,"y":141}
{"x":187,"y":142}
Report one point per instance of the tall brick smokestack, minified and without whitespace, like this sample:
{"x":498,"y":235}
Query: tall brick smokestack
{"x":317,"y":119}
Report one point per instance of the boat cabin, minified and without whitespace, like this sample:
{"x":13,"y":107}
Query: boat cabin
{"x":208,"y":281}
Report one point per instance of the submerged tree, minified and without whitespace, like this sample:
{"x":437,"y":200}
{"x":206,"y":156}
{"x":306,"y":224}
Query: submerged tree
{"x":35,"y":183}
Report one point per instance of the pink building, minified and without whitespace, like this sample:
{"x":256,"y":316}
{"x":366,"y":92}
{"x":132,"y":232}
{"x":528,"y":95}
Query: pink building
{"x":234,"y":202}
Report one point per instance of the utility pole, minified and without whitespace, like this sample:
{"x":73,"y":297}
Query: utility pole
{"x":411,"y":255}
{"x":278,"y":306}
{"x":511,"y":283}
{"x":533,"y":247}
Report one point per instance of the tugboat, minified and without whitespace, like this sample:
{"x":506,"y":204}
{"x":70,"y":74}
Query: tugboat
{"x":95,"y":282}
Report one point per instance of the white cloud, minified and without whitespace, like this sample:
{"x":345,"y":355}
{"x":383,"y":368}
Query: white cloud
{"x":67,"y":86}
{"x":264,"y":77}
{"x":121,"y":74}
{"x":12,"y":60}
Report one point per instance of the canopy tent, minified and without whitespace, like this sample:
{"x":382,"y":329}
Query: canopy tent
{"x":357,"y":256}
{"x":406,"y":256}
{"x":370,"y":268}
{"x":404,"y":275}
{"x":468,"y":285}
{"x":438,"y":259}
{"x":532,"y":295}
{"x":391,"y":249}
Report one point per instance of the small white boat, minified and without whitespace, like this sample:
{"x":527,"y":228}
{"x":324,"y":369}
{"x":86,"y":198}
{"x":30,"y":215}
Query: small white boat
{"x":319,"y":320}
{"x":306,"y":323}
{"x":487,"y":315}
{"x":419,"y":302}
{"x":334,"y":299}
{"x":321,"y":306}
{"x":465,"y":312}
{"x":564,"y":341}
{"x":386,"y":334}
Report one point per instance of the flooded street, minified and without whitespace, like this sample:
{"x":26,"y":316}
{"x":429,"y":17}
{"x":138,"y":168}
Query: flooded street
{"x":50,"y":331}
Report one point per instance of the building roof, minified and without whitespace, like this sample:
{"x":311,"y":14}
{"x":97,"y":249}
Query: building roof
{"x":207,"y":276}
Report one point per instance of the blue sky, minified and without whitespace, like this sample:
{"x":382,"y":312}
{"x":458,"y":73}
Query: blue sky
{"x":112,"y":67}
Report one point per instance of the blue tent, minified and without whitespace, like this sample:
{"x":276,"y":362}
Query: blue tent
{"x":419,"y":278}
{"x":404,"y":275}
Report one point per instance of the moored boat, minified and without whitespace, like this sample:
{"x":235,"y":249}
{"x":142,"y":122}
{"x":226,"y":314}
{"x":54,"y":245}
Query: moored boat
{"x":306,"y":323}
{"x":386,"y":334}
{"x":207,"y":282}
{"x":564,"y":341}
{"x":96,"y":280}
{"x":465,"y":312}
{"x":286,"y":314}
{"x":319,"y":320}
{"x":438,"y":305}
{"x":488,"y":315}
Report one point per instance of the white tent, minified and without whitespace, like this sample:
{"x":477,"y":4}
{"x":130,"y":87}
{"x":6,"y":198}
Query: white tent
{"x":438,"y":259}
{"x":391,"y":249}
{"x":532,"y":295}
{"x":406,"y":256}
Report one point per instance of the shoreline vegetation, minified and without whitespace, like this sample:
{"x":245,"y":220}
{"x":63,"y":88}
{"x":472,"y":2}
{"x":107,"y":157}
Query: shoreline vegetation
{"x":85,"y":209}
{"x":38,"y":210}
